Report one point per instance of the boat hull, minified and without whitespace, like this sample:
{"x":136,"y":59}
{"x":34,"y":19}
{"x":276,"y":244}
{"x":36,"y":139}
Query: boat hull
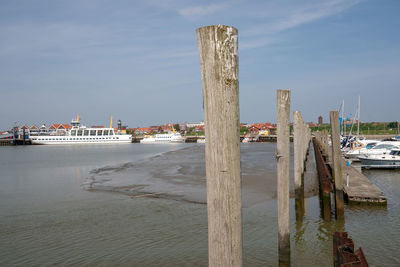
{"x":84,"y":141}
{"x":369,"y":163}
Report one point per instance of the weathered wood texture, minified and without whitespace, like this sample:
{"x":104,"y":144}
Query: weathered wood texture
{"x":218,"y":49}
{"x":283,"y":161}
{"x":298,"y":149}
{"x":337,"y":164}
{"x":301,"y":140}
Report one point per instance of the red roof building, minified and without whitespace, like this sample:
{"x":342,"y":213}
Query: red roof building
{"x":142,"y":131}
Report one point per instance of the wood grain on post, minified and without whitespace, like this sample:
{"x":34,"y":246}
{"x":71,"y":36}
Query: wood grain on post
{"x":298,"y":149}
{"x":218,"y":49}
{"x":337,"y":164}
{"x":283,"y":161}
{"x":298,"y":136}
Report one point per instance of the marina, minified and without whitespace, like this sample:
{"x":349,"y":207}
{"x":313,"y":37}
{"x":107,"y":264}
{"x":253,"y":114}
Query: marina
{"x":76,"y":226}
{"x":201,"y":172}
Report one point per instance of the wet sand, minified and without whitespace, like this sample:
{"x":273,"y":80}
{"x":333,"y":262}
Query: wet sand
{"x":180,"y":175}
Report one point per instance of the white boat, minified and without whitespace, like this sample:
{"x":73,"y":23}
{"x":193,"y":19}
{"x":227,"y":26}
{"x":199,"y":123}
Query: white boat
{"x":381,"y":148}
{"x":248,"y":138}
{"x":201,"y":140}
{"x":171,"y":137}
{"x":352,"y":150}
{"x":385,"y":161}
{"x":83,"y":135}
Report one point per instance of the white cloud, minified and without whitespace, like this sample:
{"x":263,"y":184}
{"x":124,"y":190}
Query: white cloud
{"x":202,"y":10}
{"x":301,"y":15}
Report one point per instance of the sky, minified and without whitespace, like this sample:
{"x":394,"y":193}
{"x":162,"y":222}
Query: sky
{"x":138,"y":60}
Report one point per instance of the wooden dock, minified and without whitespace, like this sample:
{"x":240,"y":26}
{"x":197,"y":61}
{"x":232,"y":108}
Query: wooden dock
{"x":358,"y":188}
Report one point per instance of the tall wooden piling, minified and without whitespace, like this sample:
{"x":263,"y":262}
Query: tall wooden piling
{"x":337,"y":164}
{"x":283,"y":160}
{"x":218,"y":49}
{"x":298,"y":140}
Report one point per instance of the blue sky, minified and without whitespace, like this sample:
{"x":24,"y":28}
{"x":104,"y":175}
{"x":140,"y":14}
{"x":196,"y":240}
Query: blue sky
{"x":138,"y":60}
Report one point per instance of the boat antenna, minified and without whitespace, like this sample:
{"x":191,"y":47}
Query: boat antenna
{"x":358,"y":126}
{"x":343,"y":125}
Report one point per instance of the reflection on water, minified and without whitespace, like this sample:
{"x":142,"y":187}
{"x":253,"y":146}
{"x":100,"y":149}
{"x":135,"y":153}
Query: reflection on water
{"x":46,"y":218}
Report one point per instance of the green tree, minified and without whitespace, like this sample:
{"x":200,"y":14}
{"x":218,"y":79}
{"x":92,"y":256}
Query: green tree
{"x":176,"y":127}
{"x":393,"y":124}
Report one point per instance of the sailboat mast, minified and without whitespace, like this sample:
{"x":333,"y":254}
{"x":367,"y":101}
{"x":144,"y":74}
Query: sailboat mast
{"x":343,"y":129}
{"x":358,"y":126}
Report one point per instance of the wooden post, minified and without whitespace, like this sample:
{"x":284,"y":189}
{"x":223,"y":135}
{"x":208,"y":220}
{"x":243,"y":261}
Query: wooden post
{"x":283,"y":160}
{"x":218,"y":49}
{"x":298,"y":140}
{"x":337,"y":164}
{"x":298,"y":151}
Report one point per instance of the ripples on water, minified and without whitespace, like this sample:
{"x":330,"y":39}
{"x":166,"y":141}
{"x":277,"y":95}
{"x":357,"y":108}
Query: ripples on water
{"x":47,"y":219}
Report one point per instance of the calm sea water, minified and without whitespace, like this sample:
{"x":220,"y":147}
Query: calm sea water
{"x":47,"y":217}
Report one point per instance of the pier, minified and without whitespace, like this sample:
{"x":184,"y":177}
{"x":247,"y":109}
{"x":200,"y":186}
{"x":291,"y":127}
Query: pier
{"x":356,"y":187}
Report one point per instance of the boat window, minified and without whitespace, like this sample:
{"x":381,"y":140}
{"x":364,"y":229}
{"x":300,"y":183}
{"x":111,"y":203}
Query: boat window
{"x":80,"y":132}
{"x":86,"y":132}
{"x":73,"y":132}
{"x":383,"y":146}
{"x":92,"y":132}
{"x":111,"y":132}
{"x":371,"y":145}
{"x":105,"y":132}
{"x":99,"y":132}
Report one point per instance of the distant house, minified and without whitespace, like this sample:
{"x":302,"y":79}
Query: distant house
{"x":24,"y":127}
{"x":167,"y":127}
{"x":183,"y":127}
{"x":59,"y":129}
{"x":193,"y":125}
{"x":262,"y":128}
{"x":156,"y":129}
{"x":34,"y":130}
{"x":199,"y":128}
{"x":253,"y":130}
{"x":142,"y":131}
{"x":43,"y":129}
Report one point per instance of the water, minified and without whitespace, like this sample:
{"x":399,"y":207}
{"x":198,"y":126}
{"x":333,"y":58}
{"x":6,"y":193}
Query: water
{"x":144,"y":207}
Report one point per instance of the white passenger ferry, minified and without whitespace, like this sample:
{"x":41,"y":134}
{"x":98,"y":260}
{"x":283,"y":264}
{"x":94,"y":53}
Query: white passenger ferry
{"x":171,"y":137}
{"x":83,"y":135}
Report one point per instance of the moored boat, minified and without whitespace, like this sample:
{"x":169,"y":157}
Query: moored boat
{"x":379,"y":148}
{"x":201,"y":140}
{"x":83,"y":135}
{"x":387,"y":160}
{"x":171,"y":137}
